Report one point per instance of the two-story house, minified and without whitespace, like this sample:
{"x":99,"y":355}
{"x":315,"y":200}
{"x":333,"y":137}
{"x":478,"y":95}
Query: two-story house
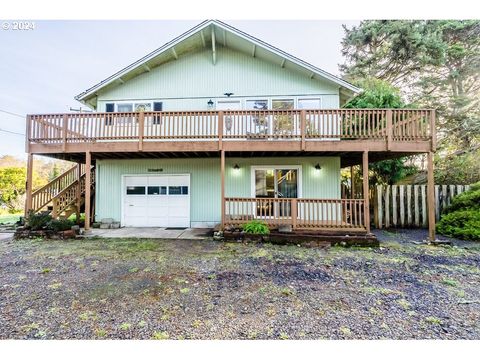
{"x":218,"y":127}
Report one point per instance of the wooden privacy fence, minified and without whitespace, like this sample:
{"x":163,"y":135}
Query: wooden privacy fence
{"x":406,"y":205}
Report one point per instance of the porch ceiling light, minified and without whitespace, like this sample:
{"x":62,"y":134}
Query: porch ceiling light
{"x":318,"y":167}
{"x":236,"y":167}
{"x":210,"y":104}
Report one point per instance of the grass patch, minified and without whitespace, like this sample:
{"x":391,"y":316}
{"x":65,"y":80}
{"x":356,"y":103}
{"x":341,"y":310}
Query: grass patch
{"x":404,"y":304}
{"x":449,"y":282}
{"x":160,"y":335}
{"x":9,"y":218}
{"x":433,"y":320}
{"x":125,"y":326}
{"x":100,"y":333}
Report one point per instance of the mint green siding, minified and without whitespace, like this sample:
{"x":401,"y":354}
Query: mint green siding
{"x":189,"y":82}
{"x":205,"y":181}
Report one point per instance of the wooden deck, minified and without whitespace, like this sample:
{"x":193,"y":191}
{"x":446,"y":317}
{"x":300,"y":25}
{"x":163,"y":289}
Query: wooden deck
{"x":358,"y":135}
{"x":374,"y":130}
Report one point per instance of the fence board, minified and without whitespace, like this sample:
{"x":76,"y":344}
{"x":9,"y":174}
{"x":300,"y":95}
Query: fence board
{"x":406,"y":205}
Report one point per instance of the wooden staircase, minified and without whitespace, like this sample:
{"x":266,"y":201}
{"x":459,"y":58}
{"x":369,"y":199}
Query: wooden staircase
{"x":64,"y":195}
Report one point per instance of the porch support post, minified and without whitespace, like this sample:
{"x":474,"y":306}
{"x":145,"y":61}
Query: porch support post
{"x":365,"y":191}
{"x":222,"y":176}
{"x":430,"y":198}
{"x":352,"y":183}
{"x":79,"y":193}
{"x":28,"y":185}
{"x":88,"y":184}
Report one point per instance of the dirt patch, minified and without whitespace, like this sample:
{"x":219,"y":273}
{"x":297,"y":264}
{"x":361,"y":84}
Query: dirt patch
{"x":200,"y":289}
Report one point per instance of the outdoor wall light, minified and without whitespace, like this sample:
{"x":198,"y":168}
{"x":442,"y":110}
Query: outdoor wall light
{"x":210,"y":104}
{"x":236,"y":167}
{"x":318,"y":167}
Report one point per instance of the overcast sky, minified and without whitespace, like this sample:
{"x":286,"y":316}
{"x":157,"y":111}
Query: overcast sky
{"x":41,"y":70}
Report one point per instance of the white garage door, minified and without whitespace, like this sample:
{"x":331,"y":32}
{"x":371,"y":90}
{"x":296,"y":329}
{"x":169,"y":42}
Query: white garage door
{"x":156,"y":201}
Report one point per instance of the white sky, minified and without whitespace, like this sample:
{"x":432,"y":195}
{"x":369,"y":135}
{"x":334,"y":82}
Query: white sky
{"x":42,"y":70}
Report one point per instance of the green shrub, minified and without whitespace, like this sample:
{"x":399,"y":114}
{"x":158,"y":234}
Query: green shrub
{"x":462,"y":218}
{"x":60,"y":225}
{"x":468,"y":200}
{"x":37,"y":221}
{"x":461,"y":224}
{"x":256,"y":227}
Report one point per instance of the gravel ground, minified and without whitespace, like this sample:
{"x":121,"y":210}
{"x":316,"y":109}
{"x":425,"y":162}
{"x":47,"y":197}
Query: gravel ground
{"x":201,"y":289}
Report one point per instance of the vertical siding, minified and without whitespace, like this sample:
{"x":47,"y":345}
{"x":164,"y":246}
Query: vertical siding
{"x":315,"y":184}
{"x":189,"y":82}
{"x":205,"y":181}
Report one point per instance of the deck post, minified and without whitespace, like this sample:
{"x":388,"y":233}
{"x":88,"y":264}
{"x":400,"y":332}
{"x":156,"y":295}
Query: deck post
{"x":64,"y":132}
{"x":79,"y":193}
{"x":294,"y":211}
{"x":352,"y":183}
{"x":222,"y":176}
{"x":433,"y":131}
{"x":389,"y":129}
{"x":141,"y":129}
{"x":366,"y":199}
{"x":303,"y":117}
{"x":220,"y":130}
{"x":430,"y":198}
{"x":28,"y":184}
{"x":88,"y":184}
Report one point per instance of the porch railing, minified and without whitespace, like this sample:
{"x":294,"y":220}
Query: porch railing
{"x":336,"y":124}
{"x":299,"y":213}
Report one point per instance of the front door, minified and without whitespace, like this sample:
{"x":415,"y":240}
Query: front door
{"x":275,"y":183}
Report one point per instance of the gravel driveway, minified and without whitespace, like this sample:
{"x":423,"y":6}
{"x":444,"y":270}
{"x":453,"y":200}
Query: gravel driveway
{"x":201,"y":289}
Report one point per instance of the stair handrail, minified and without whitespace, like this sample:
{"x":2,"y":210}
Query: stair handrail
{"x":41,"y":197}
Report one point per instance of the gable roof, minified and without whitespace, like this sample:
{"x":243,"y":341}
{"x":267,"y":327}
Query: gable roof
{"x":211,"y":33}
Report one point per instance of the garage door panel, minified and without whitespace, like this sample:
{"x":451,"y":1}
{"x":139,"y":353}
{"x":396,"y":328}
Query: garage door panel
{"x":154,"y":207}
{"x":136,"y":180}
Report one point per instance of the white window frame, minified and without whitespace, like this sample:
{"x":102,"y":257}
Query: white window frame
{"x":273,"y":167}
{"x":310,"y":98}
{"x":134,"y":103}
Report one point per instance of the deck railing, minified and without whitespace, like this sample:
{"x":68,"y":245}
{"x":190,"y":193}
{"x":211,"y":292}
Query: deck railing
{"x":43,"y":196}
{"x":337,"y":124}
{"x":70,"y":195}
{"x":299,"y":213}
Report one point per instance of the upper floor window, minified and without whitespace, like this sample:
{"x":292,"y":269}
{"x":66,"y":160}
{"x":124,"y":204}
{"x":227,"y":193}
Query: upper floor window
{"x":256,"y":104}
{"x":124,"y":107}
{"x":134,"y":106}
{"x":310,"y":103}
{"x":283,"y":104}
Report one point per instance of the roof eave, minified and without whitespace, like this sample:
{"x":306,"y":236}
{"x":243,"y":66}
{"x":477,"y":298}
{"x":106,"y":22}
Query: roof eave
{"x":87,"y":94}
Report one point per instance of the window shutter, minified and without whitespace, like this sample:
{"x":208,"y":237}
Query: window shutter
{"x":110,"y":107}
{"x":157,"y":106}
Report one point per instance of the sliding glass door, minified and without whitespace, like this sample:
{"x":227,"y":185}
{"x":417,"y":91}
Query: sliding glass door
{"x":275,"y":183}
